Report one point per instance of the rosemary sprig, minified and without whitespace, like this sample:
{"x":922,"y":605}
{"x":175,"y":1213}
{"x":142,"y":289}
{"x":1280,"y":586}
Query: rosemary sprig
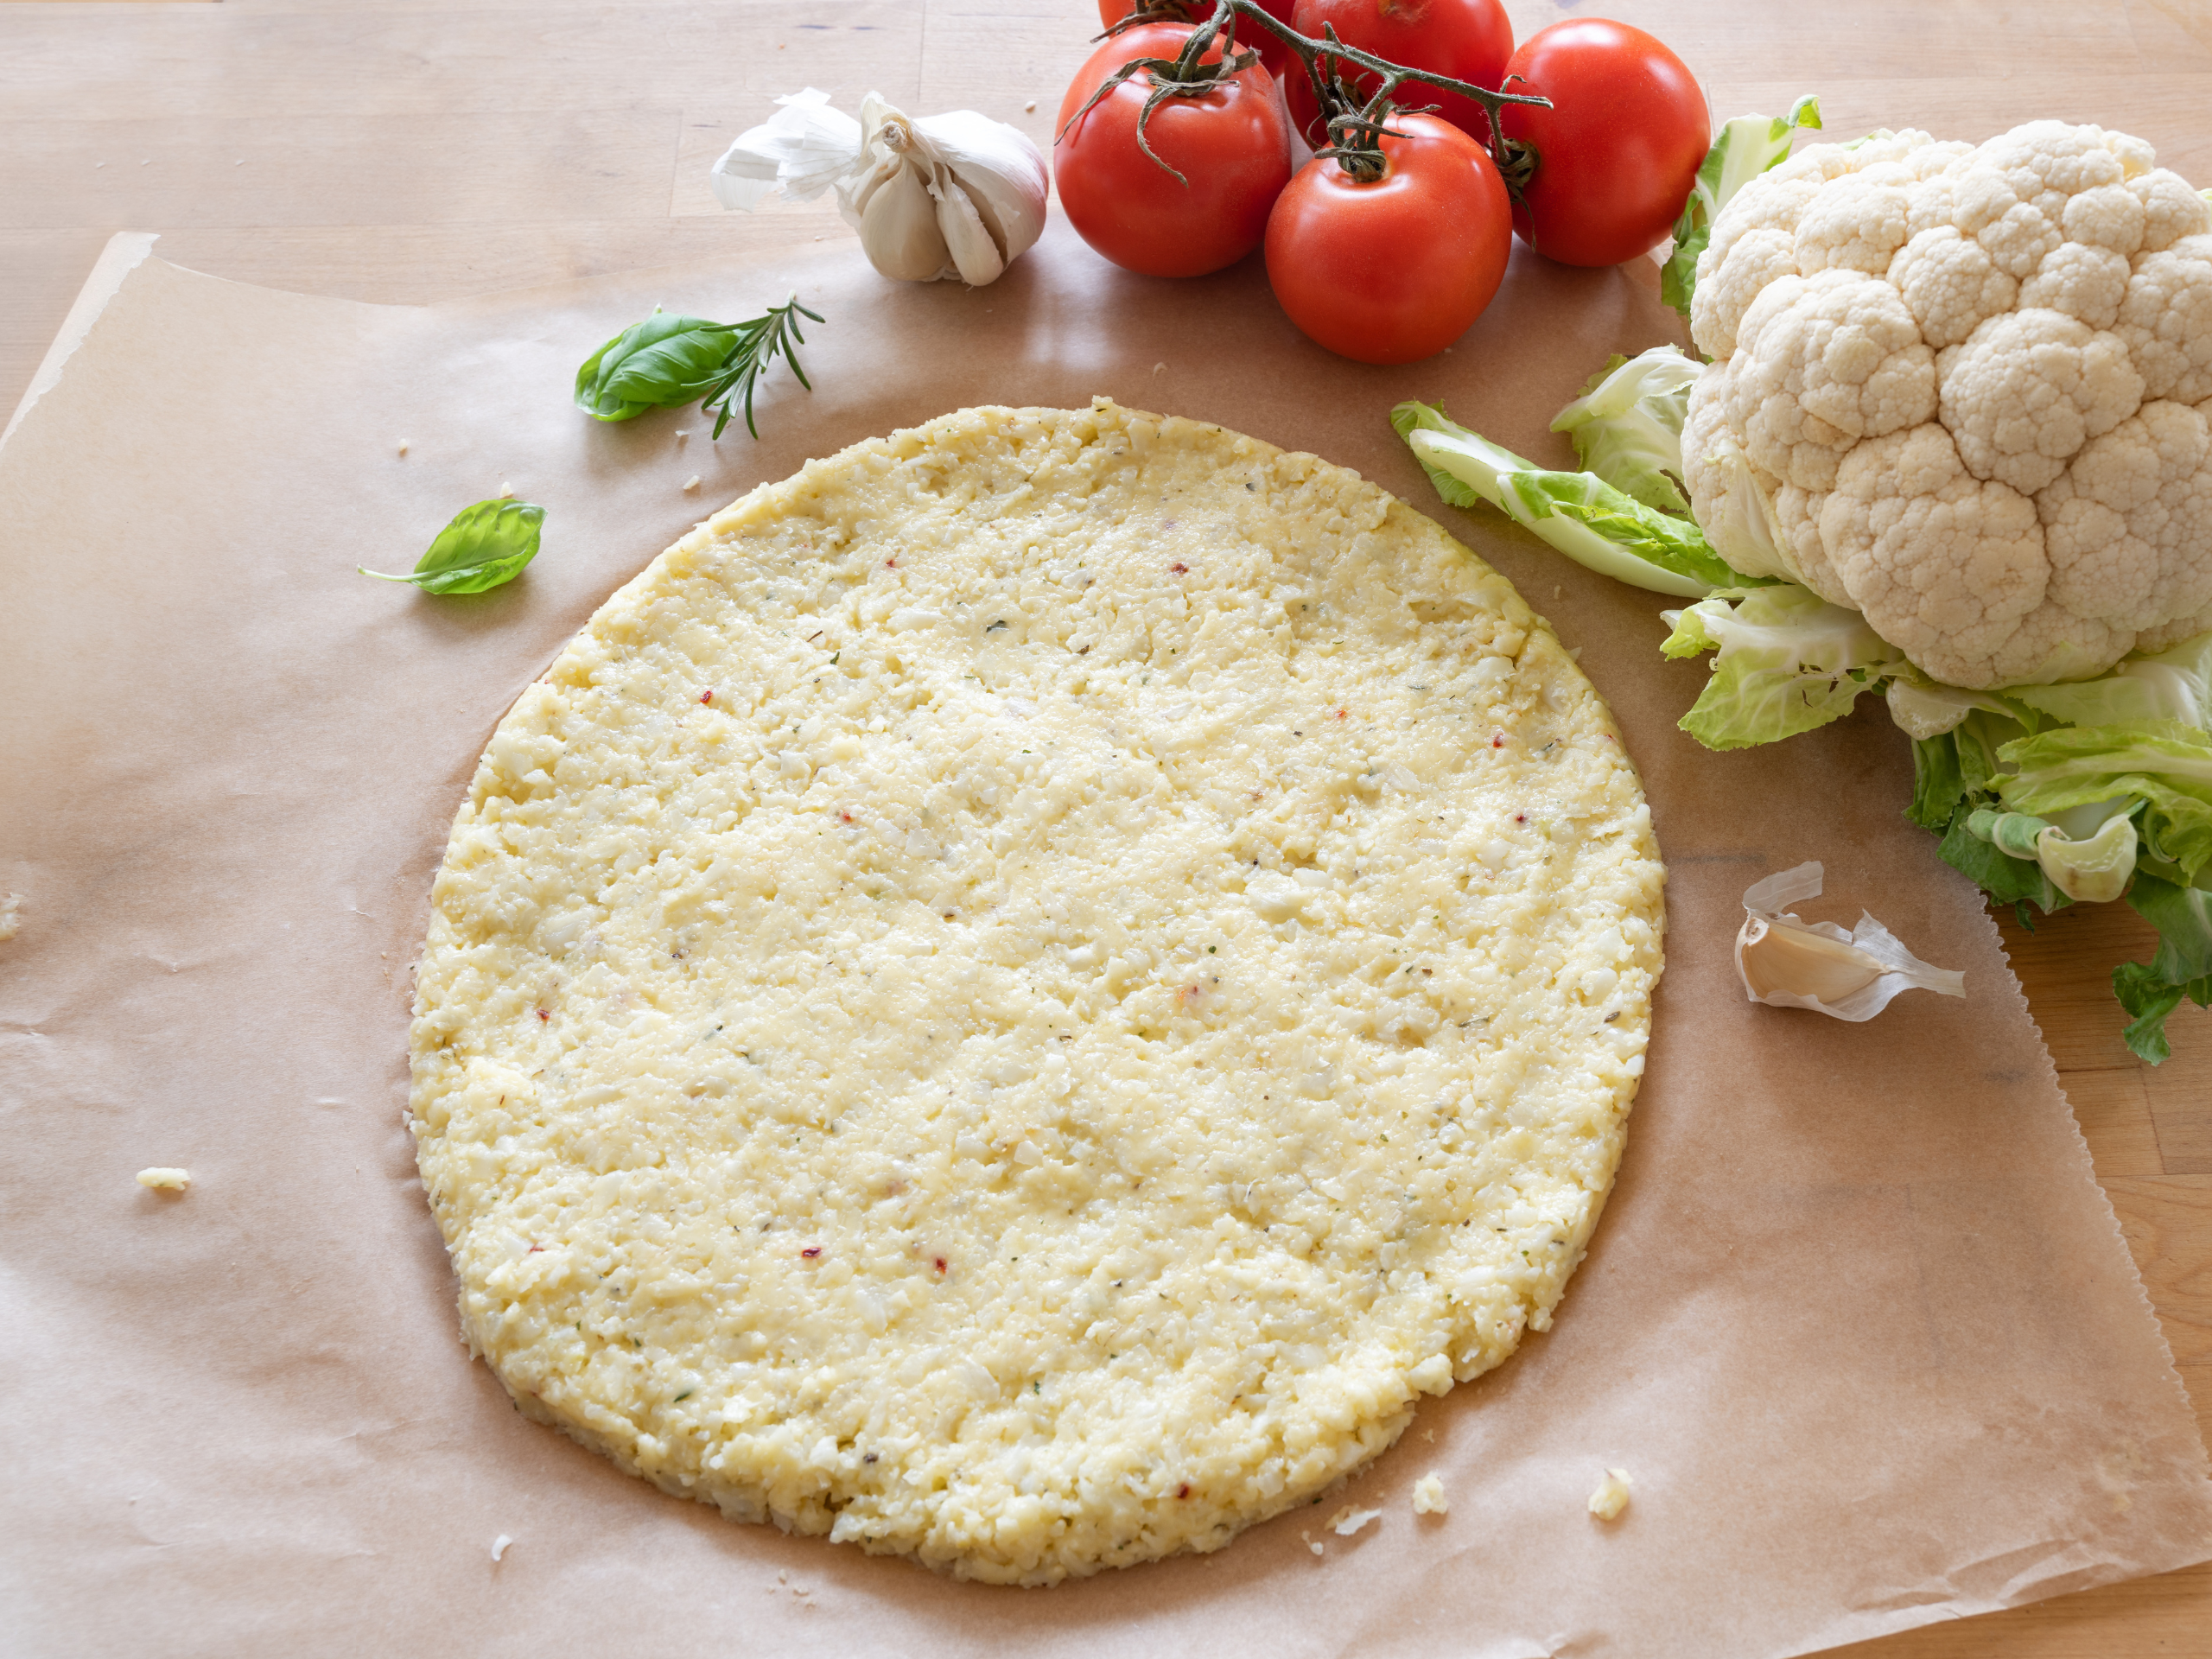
{"x":764,"y":339}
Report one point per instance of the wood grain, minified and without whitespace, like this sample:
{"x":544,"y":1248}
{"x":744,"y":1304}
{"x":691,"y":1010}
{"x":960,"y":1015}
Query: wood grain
{"x":414,"y":150}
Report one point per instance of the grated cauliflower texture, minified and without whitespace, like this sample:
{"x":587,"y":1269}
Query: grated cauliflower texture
{"x":1968,"y":392}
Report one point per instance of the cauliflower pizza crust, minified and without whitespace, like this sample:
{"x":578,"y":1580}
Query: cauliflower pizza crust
{"x":1018,"y":995}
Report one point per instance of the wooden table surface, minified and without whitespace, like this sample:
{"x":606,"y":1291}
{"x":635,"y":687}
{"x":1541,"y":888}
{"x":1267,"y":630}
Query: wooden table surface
{"x":411,"y":150}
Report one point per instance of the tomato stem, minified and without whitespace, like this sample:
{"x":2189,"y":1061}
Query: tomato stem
{"x":1348,"y":116}
{"x":1356,"y":128}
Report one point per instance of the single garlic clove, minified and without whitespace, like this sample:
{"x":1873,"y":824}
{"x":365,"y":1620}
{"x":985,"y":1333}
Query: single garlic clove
{"x":858,"y":188}
{"x":965,"y":236}
{"x":1788,"y":962}
{"x":1003,"y":173}
{"x":1775,"y":956}
{"x":899,"y":230}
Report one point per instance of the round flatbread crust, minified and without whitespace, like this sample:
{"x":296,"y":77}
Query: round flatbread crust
{"x":1018,"y":995}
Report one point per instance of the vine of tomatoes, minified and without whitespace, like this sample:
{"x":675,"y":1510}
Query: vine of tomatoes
{"x":1172,"y":161}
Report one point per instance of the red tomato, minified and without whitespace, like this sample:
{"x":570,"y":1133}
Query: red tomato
{"x":1398,"y":269}
{"x":1619,"y":150}
{"x":1272,"y":53}
{"x":1467,"y":40}
{"x":1232,"y":146}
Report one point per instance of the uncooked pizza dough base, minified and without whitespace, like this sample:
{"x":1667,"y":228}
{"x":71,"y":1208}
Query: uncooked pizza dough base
{"x":1017,"y":996}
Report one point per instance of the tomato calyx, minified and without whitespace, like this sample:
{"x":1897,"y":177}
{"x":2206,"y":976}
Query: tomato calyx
{"x":1185,"y":75}
{"x":1356,"y":141}
{"x":1355,"y":125}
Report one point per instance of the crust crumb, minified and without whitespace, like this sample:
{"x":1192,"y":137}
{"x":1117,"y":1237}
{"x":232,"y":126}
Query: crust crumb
{"x":1611,"y":1496}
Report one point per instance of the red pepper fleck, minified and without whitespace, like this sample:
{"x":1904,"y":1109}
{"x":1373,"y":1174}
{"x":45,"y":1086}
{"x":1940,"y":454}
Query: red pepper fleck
{"x":707,"y":696}
{"x":891,"y":564}
{"x":940,"y":1264}
{"x":1340,"y":713}
{"x":1180,"y":569}
{"x":544,"y":1015}
{"x":1497,"y":741}
{"x":1184,"y":1490}
{"x":533,"y":1249}
{"x":811,"y":1251}
{"x":844,"y":817}
{"x":1520,"y":817}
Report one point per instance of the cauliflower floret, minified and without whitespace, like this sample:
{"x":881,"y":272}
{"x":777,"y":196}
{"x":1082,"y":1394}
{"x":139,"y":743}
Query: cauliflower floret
{"x":2015,"y":234}
{"x":2086,"y":283}
{"x":2172,"y":633}
{"x":1797,"y":516}
{"x":1942,"y":564}
{"x":2171,"y":210}
{"x":2029,"y":389}
{"x":2129,"y":525}
{"x":1927,"y":396}
{"x":1858,"y":222}
{"x":1822,"y":364}
{"x":1760,"y":525}
{"x":2166,"y":319}
{"x":1950,"y":285}
{"x":1729,"y":498}
{"x":1728,"y":280}
{"x":2111,"y":216}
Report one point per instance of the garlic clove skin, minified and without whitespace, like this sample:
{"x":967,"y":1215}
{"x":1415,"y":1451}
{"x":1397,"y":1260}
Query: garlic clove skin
{"x":1775,"y":956}
{"x":801,"y":150}
{"x":898,"y":229}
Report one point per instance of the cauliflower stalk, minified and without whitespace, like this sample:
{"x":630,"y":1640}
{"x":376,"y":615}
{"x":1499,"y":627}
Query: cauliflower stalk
{"x":1953,"y":445}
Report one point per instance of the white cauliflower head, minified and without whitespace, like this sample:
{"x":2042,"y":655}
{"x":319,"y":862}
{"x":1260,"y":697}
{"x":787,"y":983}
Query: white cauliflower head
{"x":1967,"y":391}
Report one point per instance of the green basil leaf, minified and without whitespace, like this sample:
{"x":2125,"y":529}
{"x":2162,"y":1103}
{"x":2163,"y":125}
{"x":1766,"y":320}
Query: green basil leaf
{"x":485,"y":546}
{"x":663,"y":362}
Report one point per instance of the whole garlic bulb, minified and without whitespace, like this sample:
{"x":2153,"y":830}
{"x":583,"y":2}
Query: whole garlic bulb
{"x":950,"y":195}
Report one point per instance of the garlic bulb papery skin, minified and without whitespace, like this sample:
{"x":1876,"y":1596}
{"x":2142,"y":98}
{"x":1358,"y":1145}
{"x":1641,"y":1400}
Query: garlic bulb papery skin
{"x":803,"y":149}
{"x":950,"y":195}
{"x":1788,"y":962}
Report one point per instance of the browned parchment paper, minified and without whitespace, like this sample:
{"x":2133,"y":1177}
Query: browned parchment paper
{"x":1858,"y":1320}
